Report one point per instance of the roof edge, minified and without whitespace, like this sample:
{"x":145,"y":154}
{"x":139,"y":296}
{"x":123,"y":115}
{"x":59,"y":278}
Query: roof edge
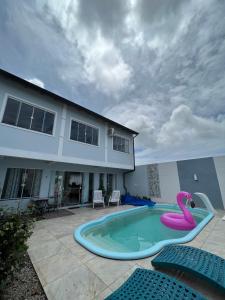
{"x":58,"y":97}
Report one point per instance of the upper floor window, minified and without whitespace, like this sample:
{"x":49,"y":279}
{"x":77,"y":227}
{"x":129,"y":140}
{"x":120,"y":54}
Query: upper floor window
{"x":120,"y":144}
{"x":20,"y":114}
{"x":84,"y":133}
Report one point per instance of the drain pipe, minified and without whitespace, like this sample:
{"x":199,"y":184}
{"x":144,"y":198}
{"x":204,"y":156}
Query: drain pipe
{"x":127,"y":172}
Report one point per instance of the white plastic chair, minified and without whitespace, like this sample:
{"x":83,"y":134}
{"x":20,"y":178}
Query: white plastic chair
{"x":98,"y":198}
{"x":115,"y":198}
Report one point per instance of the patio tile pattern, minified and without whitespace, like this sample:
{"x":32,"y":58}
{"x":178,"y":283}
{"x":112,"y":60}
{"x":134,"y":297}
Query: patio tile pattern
{"x":69,"y":271}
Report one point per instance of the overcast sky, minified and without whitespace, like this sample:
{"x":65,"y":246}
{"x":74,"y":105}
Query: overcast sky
{"x":156,"y":66}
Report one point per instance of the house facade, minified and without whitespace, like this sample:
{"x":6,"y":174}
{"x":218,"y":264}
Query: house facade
{"x":51,"y":147}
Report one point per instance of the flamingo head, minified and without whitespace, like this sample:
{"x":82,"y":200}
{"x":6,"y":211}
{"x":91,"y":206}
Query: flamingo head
{"x":188,"y":196}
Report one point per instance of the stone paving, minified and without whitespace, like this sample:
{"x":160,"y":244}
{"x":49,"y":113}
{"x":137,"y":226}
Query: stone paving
{"x":69,"y":271}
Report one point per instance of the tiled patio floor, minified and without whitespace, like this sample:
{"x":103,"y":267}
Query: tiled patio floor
{"x":67,"y":271}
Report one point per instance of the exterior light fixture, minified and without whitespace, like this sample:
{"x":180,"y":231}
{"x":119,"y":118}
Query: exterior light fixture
{"x":195,"y":177}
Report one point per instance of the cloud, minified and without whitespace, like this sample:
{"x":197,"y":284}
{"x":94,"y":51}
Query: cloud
{"x":34,"y":47}
{"x":183,"y":135}
{"x":37,"y":82}
{"x":185,"y":128}
{"x":107,"y":16}
{"x":86,"y":25}
{"x":160,"y":12}
{"x":139,"y":117}
{"x":105,"y":67}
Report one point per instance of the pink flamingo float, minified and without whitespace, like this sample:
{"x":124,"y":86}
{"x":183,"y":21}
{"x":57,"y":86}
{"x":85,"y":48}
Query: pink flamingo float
{"x":178,"y":221}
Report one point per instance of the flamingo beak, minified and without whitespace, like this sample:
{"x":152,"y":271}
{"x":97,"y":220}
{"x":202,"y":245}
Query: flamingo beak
{"x":192,"y":203}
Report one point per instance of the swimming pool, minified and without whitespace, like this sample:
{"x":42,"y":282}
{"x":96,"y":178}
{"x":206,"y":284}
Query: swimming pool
{"x":136,"y":233}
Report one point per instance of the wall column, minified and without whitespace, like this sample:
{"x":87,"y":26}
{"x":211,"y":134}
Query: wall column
{"x":169,"y":181}
{"x":105,"y":181}
{"x":62,"y":130}
{"x":3,"y":171}
{"x":96,"y":181}
{"x":45,"y":183}
{"x":219,"y":163}
{"x":52,"y":183}
{"x":85,"y":188}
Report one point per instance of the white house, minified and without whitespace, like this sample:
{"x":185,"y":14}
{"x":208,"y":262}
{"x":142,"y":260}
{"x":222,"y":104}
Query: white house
{"x":53,"y":147}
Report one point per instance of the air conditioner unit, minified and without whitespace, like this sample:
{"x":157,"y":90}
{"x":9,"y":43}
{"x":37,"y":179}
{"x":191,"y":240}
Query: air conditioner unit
{"x":111,"y":132}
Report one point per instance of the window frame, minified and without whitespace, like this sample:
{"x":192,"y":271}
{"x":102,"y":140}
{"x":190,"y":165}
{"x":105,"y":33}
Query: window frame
{"x":25,"y":101}
{"x":84,"y":123}
{"x":125,"y":138}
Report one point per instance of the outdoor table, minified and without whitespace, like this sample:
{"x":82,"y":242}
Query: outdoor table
{"x":41,"y":204}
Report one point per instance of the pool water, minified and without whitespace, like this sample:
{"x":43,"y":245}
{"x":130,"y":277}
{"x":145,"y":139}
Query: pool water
{"x":137,"y":232}
{"x":133,"y":232}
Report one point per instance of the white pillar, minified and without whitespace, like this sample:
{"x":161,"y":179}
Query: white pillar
{"x":220,"y":171}
{"x":45,"y":182}
{"x":3,"y":171}
{"x":120,"y":186}
{"x":96,"y":181}
{"x":85,"y":188}
{"x":52,"y":184}
{"x":62,"y":130}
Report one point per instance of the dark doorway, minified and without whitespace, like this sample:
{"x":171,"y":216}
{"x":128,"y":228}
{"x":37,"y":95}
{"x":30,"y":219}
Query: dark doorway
{"x":72,"y":188}
{"x":91,"y":187}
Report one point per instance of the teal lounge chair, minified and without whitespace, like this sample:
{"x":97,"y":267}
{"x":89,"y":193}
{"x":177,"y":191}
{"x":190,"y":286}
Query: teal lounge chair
{"x":198,"y":262}
{"x":147,"y":284}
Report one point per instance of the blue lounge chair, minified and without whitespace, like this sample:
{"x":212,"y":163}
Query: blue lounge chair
{"x":198,"y":262}
{"x":147,"y":284}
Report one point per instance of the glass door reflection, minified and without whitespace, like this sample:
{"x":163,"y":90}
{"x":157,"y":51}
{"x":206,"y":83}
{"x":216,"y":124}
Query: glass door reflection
{"x":72,"y":188}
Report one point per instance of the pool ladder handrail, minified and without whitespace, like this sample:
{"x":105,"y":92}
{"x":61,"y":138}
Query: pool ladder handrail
{"x":207,"y":202}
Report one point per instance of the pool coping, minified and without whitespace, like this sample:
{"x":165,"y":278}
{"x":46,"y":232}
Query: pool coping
{"x":138,"y":254}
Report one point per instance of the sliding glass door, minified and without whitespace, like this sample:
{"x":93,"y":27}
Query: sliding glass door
{"x":72,"y":188}
{"x":21,"y":183}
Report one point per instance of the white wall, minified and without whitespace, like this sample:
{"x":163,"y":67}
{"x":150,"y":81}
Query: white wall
{"x":169,"y":181}
{"x":220,"y":170}
{"x":137,"y":182}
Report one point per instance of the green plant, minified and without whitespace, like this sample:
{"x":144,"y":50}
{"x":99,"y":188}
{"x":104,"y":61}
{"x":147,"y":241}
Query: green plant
{"x":101,"y":186}
{"x":108,"y":193}
{"x":33,"y":209}
{"x":15,"y":229}
{"x":146,"y":198}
